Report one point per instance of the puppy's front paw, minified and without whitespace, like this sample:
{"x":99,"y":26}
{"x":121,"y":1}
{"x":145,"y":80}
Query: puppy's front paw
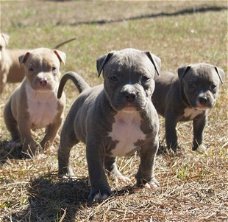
{"x":153,"y":184}
{"x":99,"y":195}
{"x":201,"y":149}
{"x":66,"y":173}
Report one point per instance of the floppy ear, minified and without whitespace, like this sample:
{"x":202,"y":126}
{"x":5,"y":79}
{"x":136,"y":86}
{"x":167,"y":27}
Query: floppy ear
{"x":156,"y":61}
{"x":101,"y":61}
{"x":23,"y":58}
{"x":5,"y":38}
{"x":220,"y":73}
{"x":182,"y":71}
{"x":61,"y":55}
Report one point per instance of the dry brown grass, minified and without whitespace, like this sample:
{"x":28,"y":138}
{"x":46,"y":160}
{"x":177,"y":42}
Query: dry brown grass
{"x":194,"y":187}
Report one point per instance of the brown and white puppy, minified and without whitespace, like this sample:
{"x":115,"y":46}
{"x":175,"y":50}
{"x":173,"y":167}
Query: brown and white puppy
{"x":34,"y":103}
{"x":186,"y":97}
{"x":10,"y":69}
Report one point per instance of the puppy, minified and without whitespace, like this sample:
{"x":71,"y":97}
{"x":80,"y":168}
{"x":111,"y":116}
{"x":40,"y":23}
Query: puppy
{"x":34,"y":103}
{"x":113,"y":119}
{"x":187,"y":97}
{"x":10,"y":69}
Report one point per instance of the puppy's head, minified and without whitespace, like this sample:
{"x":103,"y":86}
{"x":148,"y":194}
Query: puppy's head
{"x":4,"y":40}
{"x":200,"y":83}
{"x":42,"y":68}
{"x":128,"y":78}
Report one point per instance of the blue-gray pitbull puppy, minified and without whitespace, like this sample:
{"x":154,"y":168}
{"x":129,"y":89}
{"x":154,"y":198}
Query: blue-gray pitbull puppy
{"x":186,"y":97}
{"x":113,"y":119}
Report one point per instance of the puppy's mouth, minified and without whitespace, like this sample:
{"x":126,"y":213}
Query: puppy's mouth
{"x":132,"y":107}
{"x":43,"y":89}
{"x":43,"y":85}
{"x":200,"y":106}
{"x":129,"y":107}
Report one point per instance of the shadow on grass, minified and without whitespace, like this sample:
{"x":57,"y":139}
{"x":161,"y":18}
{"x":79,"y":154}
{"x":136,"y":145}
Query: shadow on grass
{"x":58,"y":200}
{"x":51,"y":200}
{"x":185,"y":11}
{"x":9,"y":152}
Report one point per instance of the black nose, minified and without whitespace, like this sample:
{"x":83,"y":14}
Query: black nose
{"x":43,"y":82}
{"x":130,"y":97}
{"x":203,"y":100}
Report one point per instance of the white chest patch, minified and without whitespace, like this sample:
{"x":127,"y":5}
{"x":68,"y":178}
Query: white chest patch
{"x":42,"y":107}
{"x":191,"y":113}
{"x":126,"y":131}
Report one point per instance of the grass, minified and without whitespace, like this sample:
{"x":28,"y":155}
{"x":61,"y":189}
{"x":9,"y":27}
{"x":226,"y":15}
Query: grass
{"x":193,"y":186}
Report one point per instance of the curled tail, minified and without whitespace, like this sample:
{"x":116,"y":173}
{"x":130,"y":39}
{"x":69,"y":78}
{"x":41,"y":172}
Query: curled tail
{"x":79,"y":82}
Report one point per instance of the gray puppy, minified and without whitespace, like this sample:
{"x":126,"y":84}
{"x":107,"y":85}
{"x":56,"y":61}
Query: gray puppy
{"x":186,"y":97}
{"x":114,"y":119}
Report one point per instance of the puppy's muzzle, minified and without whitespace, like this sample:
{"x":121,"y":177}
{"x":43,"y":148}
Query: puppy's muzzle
{"x":129,"y":95}
{"x":204,"y":101}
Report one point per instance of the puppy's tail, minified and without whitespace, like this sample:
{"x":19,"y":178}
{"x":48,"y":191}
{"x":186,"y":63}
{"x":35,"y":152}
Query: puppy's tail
{"x":79,"y":82}
{"x":63,"y":43}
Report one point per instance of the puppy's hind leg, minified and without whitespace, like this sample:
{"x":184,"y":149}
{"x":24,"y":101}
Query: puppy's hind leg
{"x":11,"y":123}
{"x":170,"y":131}
{"x":67,"y":141}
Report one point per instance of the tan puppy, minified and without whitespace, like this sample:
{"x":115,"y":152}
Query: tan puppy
{"x":10,"y":68}
{"x":34,"y":103}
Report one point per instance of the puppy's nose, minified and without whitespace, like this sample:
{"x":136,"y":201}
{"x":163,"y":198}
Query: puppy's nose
{"x":43,"y":82}
{"x":130,"y":97}
{"x":203,"y":100}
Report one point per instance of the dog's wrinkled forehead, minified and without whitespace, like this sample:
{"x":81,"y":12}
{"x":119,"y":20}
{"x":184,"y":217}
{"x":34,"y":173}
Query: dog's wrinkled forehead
{"x":201,"y":71}
{"x":129,"y":61}
{"x":43,"y":57}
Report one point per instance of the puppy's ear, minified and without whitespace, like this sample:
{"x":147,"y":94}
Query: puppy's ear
{"x":221,"y":74}
{"x":23,"y":58}
{"x":101,"y":61}
{"x":61,"y":55}
{"x":5,"y":38}
{"x":182,"y":71}
{"x":156,"y":61}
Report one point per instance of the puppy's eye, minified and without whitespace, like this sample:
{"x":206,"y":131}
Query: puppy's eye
{"x":213,"y":87}
{"x":31,"y":69}
{"x":145,"y":79}
{"x":113,"y":78}
{"x":0,"y":48}
{"x":53,"y":69}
